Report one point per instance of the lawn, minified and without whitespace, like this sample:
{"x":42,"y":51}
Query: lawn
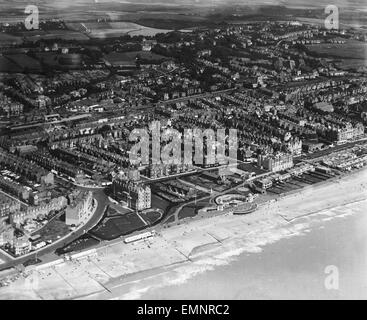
{"x":54,"y":230}
{"x":199,"y":180}
{"x":158,"y":202}
{"x":188,"y":211}
{"x":151,"y":217}
{"x":114,"y":210}
{"x":111,"y":228}
{"x":82,"y":243}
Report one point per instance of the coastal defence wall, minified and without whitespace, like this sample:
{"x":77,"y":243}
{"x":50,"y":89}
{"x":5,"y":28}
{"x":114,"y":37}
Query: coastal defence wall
{"x":85,"y":254}
{"x":193,"y":243}
{"x":49,"y":264}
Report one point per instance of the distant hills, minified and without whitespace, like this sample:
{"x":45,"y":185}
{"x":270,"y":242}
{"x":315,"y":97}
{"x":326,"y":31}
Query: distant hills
{"x":59,"y":4}
{"x":162,"y":13}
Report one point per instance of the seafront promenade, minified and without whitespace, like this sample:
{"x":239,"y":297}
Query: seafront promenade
{"x":47,"y":252}
{"x":113,"y":270}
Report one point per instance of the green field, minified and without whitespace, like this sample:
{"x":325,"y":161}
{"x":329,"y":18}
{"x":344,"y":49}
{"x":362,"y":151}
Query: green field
{"x":102,"y":30}
{"x":56,"y":34}
{"x":7,"y":39}
{"x":352,"y":63}
{"x":25,"y":62}
{"x":350,"y":55}
{"x":112,"y":228}
{"x":121,"y":58}
{"x":54,"y":230}
{"x":7,"y":66}
{"x":151,"y":217}
{"x":129,"y":58}
{"x":57,"y":60}
{"x":82,"y":243}
{"x":352,"y":49}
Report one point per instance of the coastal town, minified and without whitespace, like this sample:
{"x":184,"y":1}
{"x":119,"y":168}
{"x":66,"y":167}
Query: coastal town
{"x":72,"y":95}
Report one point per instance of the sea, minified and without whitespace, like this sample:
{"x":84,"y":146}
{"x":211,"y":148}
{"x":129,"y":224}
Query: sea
{"x":324,"y":258}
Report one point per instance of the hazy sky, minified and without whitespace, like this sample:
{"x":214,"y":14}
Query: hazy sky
{"x":305,"y":3}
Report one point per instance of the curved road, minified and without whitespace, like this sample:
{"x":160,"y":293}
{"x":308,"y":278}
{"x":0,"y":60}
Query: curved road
{"x":102,"y":199}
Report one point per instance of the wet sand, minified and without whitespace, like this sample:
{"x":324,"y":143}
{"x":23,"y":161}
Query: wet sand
{"x":291,"y":268}
{"x":196,"y":249}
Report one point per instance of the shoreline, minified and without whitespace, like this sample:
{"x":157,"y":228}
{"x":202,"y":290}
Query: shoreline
{"x":192,"y":247}
{"x":203,"y":251}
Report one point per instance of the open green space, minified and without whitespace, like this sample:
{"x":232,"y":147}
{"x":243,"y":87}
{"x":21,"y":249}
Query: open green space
{"x":112,"y":228}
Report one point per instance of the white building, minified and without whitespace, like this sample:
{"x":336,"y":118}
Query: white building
{"x":274,"y":163}
{"x":79,"y":209}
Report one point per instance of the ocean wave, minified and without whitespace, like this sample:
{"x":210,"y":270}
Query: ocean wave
{"x":230,"y":250}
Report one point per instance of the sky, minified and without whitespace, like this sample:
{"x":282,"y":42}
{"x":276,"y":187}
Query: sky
{"x":64,"y":4}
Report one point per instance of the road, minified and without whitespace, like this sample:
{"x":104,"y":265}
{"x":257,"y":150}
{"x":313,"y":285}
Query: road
{"x":102,"y":199}
{"x":196,"y":96}
{"x":318,"y":154}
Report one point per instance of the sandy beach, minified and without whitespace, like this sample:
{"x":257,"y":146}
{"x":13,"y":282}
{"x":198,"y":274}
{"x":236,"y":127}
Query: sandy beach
{"x":193,"y":248}
{"x":291,"y":268}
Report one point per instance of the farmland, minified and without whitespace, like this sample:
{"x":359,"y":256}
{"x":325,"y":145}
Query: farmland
{"x":129,"y":58}
{"x":351,"y":54}
{"x":55,"y":34}
{"x":350,"y":50}
{"x":7,"y":39}
{"x":102,"y":30}
{"x":352,"y":63}
{"x":25,"y":62}
{"x":60,"y":61}
{"x":7,"y":66}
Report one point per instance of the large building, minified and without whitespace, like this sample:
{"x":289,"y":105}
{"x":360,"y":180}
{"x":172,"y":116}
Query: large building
{"x":8,"y":205}
{"x":163,"y":170}
{"x":79,"y":208}
{"x":21,"y":246}
{"x":347,"y":132}
{"x":274,"y":163}
{"x":135,"y":194}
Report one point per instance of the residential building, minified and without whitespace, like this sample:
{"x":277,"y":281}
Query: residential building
{"x":135,"y":194}
{"x":79,"y":208}
{"x":21,"y":246}
{"x":274,"y":163}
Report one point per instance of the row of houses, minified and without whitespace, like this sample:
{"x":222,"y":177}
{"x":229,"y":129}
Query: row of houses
{"x":26,"y":168}
{"x":32,"y":212}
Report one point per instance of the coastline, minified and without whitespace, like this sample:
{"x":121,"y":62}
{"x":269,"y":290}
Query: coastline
{"x":291,"y":268}
{"x":182,"y":251}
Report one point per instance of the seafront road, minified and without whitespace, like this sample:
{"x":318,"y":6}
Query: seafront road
{"x":102,"y":200}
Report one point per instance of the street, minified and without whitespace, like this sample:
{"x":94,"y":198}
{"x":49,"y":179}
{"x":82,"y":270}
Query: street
{"x":102,"y":199}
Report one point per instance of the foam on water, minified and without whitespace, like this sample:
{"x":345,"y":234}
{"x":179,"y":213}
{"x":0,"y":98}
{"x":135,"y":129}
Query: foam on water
{"x":233,"y":248}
